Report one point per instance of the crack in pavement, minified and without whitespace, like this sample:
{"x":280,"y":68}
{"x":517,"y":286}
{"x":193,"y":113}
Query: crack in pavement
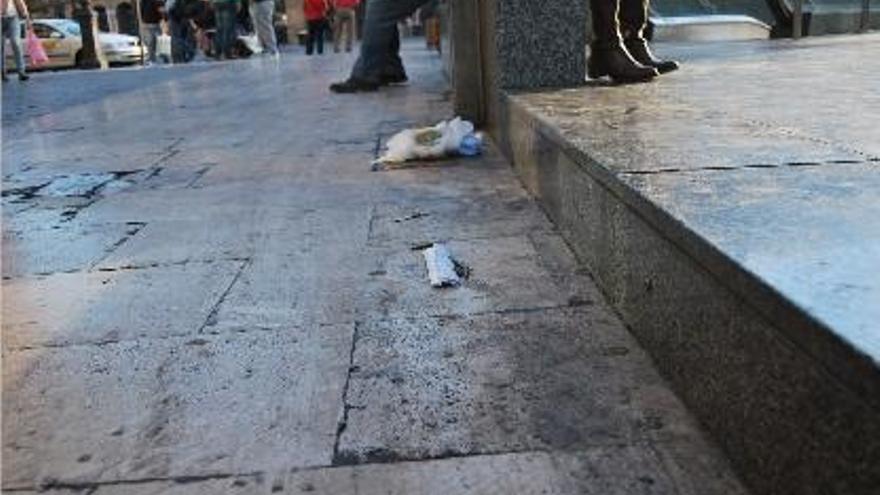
{"x":725,"y":168}
{"x":338,"y":457}
{"x":211,"y":319}
{"x":56,"y":484}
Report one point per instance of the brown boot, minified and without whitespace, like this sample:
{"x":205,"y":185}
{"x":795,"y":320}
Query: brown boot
{"x":608,"y":56}
{"x":633,"y":21}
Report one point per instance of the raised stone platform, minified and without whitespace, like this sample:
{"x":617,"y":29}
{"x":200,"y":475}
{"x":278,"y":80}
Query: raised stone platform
{"x":731,"y":213}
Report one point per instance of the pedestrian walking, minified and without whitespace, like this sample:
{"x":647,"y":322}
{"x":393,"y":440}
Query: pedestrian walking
{"x":316,"y":12}
{"x":344,"y":23}
{"x":262,"y":15}
{"x":619,"y":49}
{"x":182,"y":35}
{"x":225,"y":17}
{"x":151,"y":29}
{"x":203,"y":22}
{"x":13,"y":12}
{"x":379,"y":63}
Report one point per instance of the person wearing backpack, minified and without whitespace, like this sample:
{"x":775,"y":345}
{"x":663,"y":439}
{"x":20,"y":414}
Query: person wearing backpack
{"x":13,"y":12}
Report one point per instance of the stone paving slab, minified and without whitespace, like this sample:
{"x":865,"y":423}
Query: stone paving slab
{"x":176,"y":407}
{"x":104,"y":306}
{"x":507,"y":274}
{"x":541,"y":380}
{"x":52,"y":250}
{"x":278,"y":291}
{"x":251,"y":231}
{"x":473,"y":216}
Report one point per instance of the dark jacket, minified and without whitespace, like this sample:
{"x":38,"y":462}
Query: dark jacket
{"x":150,"y":13}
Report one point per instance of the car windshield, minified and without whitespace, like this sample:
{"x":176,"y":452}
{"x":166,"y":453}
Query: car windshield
{"x":69,"y":27}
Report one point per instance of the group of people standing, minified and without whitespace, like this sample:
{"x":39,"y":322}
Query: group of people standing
{"x":340,"y":16}
{"x":209,"y":25}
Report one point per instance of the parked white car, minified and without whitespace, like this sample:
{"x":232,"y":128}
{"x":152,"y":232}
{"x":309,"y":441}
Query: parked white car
{"x":62,"y":41}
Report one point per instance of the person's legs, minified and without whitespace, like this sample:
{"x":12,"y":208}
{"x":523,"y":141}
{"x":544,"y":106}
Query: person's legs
{"x":344,"y":27}
{"x":351,"y":29}
{"x":151,"y":37}
{"x":178,"y":41}
{"x":633,"y":21}
{"x":381,"y":44}
{"x":261,"y":16}
{"x":608,"y":56}
{"x":266,"y":14}
{"x":321,"y":33}
{"x":225,"y":36}
{"x":312,"y":37}
{"x":393,"y":72}
{"x":13,"y":34}
{"x":338,"y":21}
{"x":3,"y":39}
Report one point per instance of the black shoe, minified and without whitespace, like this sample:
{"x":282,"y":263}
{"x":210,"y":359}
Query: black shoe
{"x":614,"y":61}
{"x":640,"y":51}
{"x":352,"y":85}
{"x":396,"y":78}
{"x":23,"y":77}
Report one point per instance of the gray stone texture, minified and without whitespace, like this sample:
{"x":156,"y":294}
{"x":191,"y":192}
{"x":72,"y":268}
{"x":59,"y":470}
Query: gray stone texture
{"x":252,"y":334}
{"x":742,"y":270}
{"x":539,"y":44}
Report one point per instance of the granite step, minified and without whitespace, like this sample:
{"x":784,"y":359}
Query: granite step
{"x":738,"y":238}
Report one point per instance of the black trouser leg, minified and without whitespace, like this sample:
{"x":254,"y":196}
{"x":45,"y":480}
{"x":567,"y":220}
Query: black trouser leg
{"x":633,"y":17}
{"x":311,"y":38}
{"x":608,"y":56}
{"x":606,"y":27}
{"x":322,"y":33}
{"x":633,"y":21}
{"x":394,"y":62}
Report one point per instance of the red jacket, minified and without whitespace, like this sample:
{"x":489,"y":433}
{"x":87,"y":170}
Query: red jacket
{"x":315,"y":10}
{"x":347,"y":4}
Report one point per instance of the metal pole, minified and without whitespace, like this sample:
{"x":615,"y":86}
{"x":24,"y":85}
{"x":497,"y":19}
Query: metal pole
{"x":797,"y":21}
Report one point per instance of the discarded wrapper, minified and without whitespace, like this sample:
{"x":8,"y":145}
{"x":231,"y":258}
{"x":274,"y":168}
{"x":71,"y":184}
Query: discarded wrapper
{"x":441,"y":267}
{"x":448,"y":138}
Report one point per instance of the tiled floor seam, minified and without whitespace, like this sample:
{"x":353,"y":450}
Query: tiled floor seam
{"x":87,"y":485}
{"x":215,"y":310}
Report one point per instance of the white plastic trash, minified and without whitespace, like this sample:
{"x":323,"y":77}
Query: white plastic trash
{"x":441,"y":268}
{"x":442,"y":140}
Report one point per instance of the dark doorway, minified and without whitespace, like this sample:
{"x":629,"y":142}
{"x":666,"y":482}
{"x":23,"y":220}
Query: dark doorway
{"x":125,"y":18}
{"x":103,"y":21}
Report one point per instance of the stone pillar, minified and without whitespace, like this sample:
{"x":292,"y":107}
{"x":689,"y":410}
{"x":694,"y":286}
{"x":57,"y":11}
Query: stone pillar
{"x":499,"y":45}
{"x":539,"y":44}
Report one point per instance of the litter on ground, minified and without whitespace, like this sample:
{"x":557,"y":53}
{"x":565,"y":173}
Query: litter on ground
{"x":455,"y":137}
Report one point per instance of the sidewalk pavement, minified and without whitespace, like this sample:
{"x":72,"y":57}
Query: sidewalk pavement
{"x":206,"y":290}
